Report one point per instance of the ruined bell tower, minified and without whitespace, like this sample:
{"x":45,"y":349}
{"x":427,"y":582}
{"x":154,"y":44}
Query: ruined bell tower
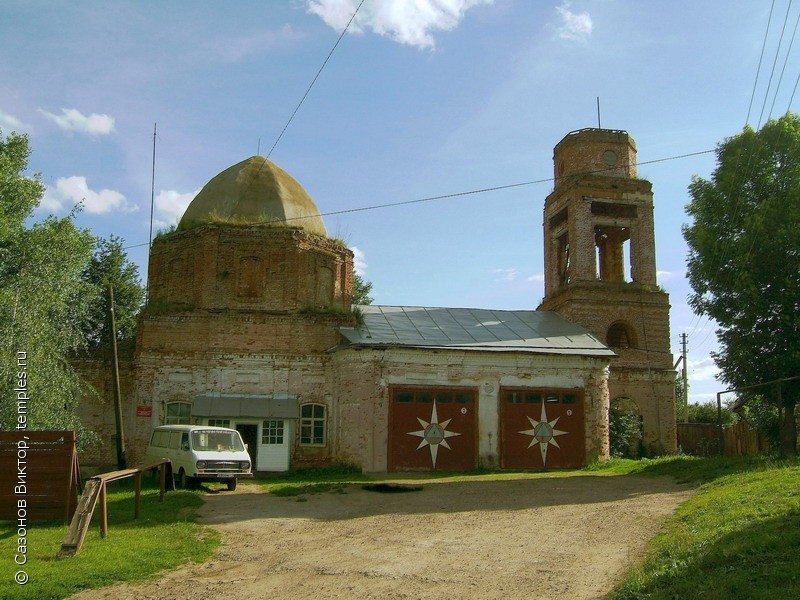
{"x":600,"y":271}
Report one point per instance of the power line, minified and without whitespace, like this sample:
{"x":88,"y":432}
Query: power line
{"x":299,"y":104}
{"x":470,"y":192}
{"x":774,"y":64}
{"x":695,"y":322}
{"x":785,"y":61}
{"x":481,"y":190}
{"x":760,"y":59}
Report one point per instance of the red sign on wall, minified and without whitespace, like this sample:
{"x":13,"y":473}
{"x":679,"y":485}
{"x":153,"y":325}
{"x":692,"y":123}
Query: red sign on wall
{"x":144,"y":410}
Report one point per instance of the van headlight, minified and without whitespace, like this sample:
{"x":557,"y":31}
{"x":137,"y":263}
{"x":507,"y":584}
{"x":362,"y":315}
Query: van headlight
{"x":244,"y":465}
{"x":201,"y":464}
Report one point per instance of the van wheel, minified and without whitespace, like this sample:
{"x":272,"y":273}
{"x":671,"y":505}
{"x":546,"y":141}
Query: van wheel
{"x":232,"y":484}
{"x":183,"y":481}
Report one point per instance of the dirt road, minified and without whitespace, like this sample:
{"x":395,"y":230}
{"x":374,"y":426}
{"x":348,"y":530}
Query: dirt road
{"x":543,"y":537}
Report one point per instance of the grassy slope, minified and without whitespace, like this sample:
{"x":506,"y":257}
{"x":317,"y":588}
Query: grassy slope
{"x":164,"y":537}
{"x":739,"y":537}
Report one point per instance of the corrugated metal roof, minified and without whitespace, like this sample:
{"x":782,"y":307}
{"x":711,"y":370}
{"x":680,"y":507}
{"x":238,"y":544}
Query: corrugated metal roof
{"x":538,"y":331}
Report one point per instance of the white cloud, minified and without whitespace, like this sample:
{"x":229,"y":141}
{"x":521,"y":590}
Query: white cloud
{"x":8,"y":121}
{"x":359,"y":260}
{"x":170,"y":205}
{"x":235,"y":49}
{"x":664,"y":276}
{"x":71,"y":119}
{"x":70,"y":191}
{"x":539,"y":277}
{"x":703,"y":370}
{"x":506,"y":274}
{"x":411,"y":23}
{"x":574,"y":26}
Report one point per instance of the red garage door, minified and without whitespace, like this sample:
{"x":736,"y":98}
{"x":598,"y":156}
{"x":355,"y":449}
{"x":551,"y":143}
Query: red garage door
{"x":541,"y":428}
{"x":432,"y":429}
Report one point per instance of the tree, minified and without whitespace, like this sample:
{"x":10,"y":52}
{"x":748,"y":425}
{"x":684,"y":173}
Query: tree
{"x":361,"y":290}
{"x":706,"y":412}
{"x":681,"y":399}
{"x":43,"y":300}
{"x":744,"y":260}
{"x":624,"y":433}
{"x":109,"y":265}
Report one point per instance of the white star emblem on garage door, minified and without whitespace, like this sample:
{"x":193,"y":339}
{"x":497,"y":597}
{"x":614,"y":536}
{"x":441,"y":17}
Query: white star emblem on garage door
{"x":434,"y":434}
{"x":543,"y":433}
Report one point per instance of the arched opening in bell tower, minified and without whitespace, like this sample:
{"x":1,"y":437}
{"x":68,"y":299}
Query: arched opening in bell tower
{"x":613,"y":254}
{"x":613,"y":223}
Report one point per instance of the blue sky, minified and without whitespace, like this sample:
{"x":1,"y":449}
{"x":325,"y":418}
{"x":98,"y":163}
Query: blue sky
{"x":420,"y":99}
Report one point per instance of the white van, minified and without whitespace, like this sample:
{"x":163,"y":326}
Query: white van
{"x":200,"y":453}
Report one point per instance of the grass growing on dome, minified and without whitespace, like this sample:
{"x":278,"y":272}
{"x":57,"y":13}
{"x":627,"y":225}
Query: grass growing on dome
{"x":266,"y":219}
{"x":165,"y":231}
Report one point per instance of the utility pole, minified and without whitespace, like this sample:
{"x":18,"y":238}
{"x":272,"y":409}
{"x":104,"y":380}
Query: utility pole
{"x":122,"y":462}
{"x":684,"y":378}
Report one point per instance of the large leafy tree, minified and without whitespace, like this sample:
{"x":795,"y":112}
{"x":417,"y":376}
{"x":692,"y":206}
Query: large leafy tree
{"x":110,"y":267}
{"x":744,"y":260}
{"x":43,"y":299}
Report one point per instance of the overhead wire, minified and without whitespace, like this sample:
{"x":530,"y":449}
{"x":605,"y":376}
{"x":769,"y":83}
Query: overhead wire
{"x":305,"y":95}
{"x":760,"y":60}
{"x":484,"y":190}
{"x":785,"y":62}
{"x":697,"y":318}
{"x":774,"y":64}
{"x":745,"y":173}
{"x":313,"y":81}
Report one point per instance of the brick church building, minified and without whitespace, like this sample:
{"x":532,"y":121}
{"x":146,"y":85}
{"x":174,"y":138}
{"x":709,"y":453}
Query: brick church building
{"x":249,"y":324}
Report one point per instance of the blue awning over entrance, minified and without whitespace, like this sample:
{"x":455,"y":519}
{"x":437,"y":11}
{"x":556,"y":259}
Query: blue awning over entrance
{"x":267,"y":406}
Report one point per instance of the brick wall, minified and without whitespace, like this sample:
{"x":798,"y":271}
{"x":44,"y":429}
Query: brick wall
{"x":363,"y":378}
{"x":224,"y":267}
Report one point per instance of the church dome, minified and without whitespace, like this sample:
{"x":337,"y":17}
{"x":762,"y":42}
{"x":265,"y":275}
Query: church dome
{"x":254,"y":191}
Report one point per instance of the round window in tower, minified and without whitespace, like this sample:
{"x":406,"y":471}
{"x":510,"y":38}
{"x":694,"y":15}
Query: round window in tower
{"x":610,"y":158}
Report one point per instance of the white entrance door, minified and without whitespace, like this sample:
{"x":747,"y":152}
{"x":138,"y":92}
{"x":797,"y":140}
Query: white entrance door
{"x":273,"y":451}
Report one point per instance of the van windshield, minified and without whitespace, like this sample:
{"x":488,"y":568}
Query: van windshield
{"x":221,"y":441}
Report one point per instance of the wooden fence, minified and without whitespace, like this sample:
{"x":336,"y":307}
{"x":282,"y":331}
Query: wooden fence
{"x":95,"y":490}
{"x":42,"y":471}
{"x":703,"y":439}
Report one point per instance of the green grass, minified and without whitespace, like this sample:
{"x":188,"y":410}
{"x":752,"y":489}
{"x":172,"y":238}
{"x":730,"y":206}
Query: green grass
{"x":164,"y":536}
{"x":685,"y":469}
{"x":316,"y":480}
{"x":738,"y":537}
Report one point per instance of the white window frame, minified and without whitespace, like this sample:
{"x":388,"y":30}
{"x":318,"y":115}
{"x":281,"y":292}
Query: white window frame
{"x":309,"y":423}
{"x":273,"y":432}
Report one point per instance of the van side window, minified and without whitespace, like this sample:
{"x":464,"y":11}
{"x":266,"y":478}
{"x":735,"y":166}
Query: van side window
{"x":160,"y":439}
{"x":184,"y":441}
{"x":175,"y":439}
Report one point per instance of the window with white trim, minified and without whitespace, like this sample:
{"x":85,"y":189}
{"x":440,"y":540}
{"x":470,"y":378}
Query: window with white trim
{"x":272,"y":432}
{"x":219,"y":422}
{"x":312,"y":424}
{"x":178,"y":413}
